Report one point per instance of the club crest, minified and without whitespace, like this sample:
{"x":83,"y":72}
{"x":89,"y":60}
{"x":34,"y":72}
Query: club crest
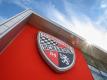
{"x":58,"y":55}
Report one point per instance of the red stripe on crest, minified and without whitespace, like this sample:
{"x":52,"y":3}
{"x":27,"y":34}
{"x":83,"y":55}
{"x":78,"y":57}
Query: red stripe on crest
{"x":53,"y":56}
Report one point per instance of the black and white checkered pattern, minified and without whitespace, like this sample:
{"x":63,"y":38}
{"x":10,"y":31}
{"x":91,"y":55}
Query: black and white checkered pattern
{"x":46,"y":41}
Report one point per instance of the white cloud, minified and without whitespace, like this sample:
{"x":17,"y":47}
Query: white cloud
{"x":55,"y":15}
{"x":102,"y":20}
{"x":21,"y":3}
{"x":103,"y":3}
{"x":2,"y":19}
{"x":90,"y":32}
{"x":81,"y":25}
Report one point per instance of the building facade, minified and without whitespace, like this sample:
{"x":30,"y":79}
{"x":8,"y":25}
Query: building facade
{"x":18,"y":48}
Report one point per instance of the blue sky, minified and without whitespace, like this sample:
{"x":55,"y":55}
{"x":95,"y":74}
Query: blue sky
{"x":87,"y":18}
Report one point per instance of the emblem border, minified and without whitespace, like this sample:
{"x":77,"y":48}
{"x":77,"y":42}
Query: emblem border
{"x":48,"y":61}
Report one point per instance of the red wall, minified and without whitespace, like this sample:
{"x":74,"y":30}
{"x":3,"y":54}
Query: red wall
{"x":22,"y":61}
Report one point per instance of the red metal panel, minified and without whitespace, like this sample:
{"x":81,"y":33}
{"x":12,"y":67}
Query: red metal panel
{"x":22,"y":61}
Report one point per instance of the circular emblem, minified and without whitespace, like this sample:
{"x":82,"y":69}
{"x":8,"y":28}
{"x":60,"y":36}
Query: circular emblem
{"x":59,"y":55}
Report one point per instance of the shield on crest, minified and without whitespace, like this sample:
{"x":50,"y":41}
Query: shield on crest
{"x":57,"y":54}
